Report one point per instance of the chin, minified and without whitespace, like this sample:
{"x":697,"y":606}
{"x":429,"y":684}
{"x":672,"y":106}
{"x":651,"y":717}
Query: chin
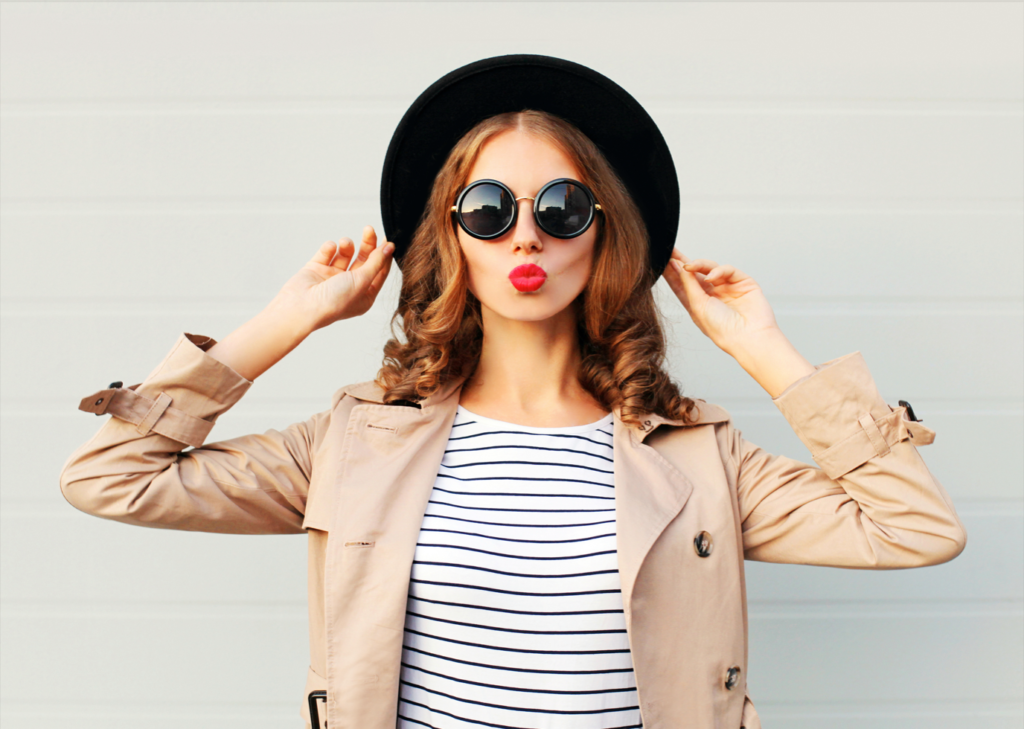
{"x":529,"y":306}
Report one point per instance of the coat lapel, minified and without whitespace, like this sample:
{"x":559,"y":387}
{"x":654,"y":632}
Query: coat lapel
{"x":389,"y":462}
{"x":649,"y":491}
{"x":648,"y":494}
{"x":390,"y":459}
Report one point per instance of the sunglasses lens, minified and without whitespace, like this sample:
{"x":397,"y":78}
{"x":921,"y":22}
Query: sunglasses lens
{"x":487,"y":209}
{"x":564,"y":209}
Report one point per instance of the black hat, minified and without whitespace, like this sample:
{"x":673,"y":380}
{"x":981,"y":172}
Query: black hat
{"x":596,"y":105}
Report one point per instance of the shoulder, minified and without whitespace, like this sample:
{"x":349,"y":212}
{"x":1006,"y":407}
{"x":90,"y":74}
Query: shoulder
{"x":705,"y":413}
{"x":709,"y":413}
{"x":366,"y":391}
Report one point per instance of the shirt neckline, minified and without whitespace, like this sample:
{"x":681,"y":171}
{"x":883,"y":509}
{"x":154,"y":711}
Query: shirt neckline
{"x":570,"y":429}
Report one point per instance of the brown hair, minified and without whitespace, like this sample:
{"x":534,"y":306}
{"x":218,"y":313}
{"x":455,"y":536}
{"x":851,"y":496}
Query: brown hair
{"x":619,"y":327}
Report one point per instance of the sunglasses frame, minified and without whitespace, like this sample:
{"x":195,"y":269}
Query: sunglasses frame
{"x":457,"y":207}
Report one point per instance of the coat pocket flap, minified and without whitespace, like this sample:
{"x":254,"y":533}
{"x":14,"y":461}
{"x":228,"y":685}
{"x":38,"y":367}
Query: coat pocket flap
{"x":319,"y":506}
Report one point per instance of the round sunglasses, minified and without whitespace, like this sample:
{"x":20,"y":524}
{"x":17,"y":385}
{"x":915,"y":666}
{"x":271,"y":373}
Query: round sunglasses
{"x":564,"y":208}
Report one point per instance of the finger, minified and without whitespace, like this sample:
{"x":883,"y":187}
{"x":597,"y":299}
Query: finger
{"x":325,"y":253}
{"x":676,"y":256}
{"x":700,"y":265}
{"x":719,"y":274}
{"x":377,"y":263}
{"x":369,"y":245}
{"x":692,"y":283}
{"x":378,"y":280}
{"x":346,"y":248}
{"x":685,"y":285}
{"x":674,"y":275}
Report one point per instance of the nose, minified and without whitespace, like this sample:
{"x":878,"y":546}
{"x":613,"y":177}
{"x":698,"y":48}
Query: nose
{"x":526,"y":234}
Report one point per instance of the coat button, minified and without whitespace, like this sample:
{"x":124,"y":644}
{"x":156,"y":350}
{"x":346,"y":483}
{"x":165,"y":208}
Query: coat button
{"x":702,"y":543}
{"x":732,"y":677}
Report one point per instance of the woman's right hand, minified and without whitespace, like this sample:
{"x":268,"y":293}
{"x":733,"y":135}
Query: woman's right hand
{"x":326,"y":290}
{"x":322,"y":292}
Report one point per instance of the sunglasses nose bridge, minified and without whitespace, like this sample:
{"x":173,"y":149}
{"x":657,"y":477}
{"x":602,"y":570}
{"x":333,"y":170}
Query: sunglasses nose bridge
{"x":530,"y":236}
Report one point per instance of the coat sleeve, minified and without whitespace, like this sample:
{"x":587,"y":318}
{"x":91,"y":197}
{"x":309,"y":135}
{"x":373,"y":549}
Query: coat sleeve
{"x":872,"y":504}
{"x":136,"y":469}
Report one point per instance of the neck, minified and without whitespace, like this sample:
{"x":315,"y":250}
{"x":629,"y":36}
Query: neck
{"x":527,"y":372}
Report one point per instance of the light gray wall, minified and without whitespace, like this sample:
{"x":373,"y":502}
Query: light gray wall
{"x":166,"y":167}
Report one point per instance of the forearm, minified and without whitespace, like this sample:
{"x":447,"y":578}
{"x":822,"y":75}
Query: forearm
{"x":772,"y":360}
{"x":261,"y":342}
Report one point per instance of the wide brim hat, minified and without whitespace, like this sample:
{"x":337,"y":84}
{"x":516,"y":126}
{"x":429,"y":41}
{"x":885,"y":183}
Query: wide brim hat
{"x":601,"y":109}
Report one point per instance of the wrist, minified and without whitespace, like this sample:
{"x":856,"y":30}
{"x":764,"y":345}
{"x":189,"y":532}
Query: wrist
{"x":261,"y":342}
{"x":772,"y":360}
{"x":287,"y":321}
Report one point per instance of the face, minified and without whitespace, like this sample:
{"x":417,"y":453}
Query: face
{"x":525,"y":163}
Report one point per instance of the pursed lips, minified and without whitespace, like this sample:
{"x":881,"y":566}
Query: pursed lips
{"x":527,"y":277}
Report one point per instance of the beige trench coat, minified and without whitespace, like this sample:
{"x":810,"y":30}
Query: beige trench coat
{"x":356,"y":478}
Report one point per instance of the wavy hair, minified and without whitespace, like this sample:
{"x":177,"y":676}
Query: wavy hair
{"x":619,"y":327}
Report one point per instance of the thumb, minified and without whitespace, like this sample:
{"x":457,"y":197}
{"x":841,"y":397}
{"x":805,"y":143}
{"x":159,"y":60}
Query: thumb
{"x":687,"y":288}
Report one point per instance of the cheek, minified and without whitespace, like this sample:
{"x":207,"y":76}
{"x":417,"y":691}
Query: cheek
{"x":583,"y":259}
{"x":473,"y":268}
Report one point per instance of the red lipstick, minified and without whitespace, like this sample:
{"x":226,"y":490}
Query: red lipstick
{"x":528,"y":277}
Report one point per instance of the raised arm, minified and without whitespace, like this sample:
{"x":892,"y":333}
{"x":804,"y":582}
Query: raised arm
{"x":136,"y":469}
{"x":873,"y":503}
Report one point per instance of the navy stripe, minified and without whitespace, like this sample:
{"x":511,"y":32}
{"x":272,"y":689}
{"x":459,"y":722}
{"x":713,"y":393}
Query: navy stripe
{"x":507,"y":493}
{"x":514,"y":630}
{"x":517,"y":650}
{"x":532,"y":448}
{"x":525,"y":463}
{"x":517,"y":708}
{"x":523,"y":432}
{"x":489,"y":508}
{"x":460,"y":718}
{"x":512,"y":592}
{"x":416,"y":721}
{"x":512,"y":574}
{"x":508,"y":610}
{"x":524,"y":478}
{"x":513,"y":556}
{"x":534,"y":526}
{"x":518,"y":688}
{"x":486,"y":723}
{"x":509,"y":539}
{"x":519,"y":670}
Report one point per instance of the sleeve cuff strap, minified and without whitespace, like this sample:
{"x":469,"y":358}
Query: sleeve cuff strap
{"x":148,"y":415}
{"x":873,"y":438}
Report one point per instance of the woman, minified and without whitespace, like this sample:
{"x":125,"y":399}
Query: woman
{"x":521,"y":522}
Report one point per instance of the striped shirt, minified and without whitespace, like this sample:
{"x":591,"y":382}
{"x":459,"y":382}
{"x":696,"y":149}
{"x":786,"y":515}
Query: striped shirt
{"x":514,"y":617}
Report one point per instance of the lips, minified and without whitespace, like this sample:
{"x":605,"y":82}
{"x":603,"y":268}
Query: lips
{"x":528,"y":277}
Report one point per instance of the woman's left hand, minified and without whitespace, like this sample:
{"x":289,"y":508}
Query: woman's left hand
{"x":725,"y":303}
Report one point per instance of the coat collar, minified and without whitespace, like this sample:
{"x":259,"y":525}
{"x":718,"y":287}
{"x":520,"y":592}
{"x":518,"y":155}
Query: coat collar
{"x":370,"y":391}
